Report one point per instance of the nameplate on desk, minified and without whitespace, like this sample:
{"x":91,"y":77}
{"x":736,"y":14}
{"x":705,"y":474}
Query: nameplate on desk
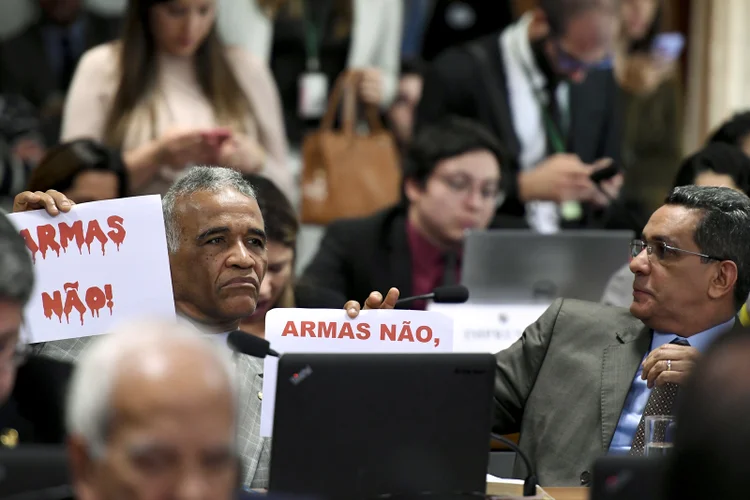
{"x":323,"y":331}
{"x":488,"y":327}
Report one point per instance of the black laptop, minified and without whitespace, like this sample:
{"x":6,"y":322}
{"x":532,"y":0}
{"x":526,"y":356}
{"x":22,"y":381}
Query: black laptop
{"x":377,"y":426}
{"x":34,"y":472}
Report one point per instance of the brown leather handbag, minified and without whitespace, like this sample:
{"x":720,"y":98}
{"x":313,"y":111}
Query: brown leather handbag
{"x":346,"y":173}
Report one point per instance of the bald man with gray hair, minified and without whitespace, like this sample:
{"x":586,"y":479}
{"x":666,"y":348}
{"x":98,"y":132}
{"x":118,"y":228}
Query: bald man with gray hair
{"x":217,"y":255}
{"x":152,"y":413}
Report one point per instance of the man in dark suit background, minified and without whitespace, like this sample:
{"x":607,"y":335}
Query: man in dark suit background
{"x":545,"y":88}
{"x":32,"y":388}
{"x":451,"y":183}
{"x":39,"y":63}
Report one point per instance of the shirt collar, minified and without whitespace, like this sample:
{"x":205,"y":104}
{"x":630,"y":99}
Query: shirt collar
{"x":700,"y":341}
{"x":523,"y":53}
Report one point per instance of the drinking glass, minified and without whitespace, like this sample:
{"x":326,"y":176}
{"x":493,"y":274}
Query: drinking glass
{"x":659,"y":435}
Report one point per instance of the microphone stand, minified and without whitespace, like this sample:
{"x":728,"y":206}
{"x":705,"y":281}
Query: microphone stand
{"x":529,"y":484}
{"x":406,"y":300}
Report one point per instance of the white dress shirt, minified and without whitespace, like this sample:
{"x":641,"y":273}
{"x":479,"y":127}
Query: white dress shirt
{"x":526,"y":84}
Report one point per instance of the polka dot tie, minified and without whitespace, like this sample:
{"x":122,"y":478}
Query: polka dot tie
{"x":660,"y":402}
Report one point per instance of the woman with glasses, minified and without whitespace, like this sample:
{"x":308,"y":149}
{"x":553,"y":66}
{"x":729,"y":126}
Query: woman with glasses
{"x":32,"y":388}
{"x":717,"y":164}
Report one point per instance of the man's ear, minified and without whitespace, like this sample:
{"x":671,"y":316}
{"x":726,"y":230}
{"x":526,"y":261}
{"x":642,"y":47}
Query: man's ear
{"x":539,"y":27}
{"x":81,"y":467}
{"x":723,"y":281}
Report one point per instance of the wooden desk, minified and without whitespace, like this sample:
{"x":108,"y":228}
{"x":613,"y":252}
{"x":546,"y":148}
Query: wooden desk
{"x":568,"y":493}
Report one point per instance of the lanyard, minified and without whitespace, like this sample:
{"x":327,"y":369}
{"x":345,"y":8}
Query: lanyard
{"x":554,"y":134}
{"x":569,"y":210}
{"x":314,"y":31}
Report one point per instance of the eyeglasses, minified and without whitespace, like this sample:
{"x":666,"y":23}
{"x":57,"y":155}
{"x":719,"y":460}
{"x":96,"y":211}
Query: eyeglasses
{"x":661,"y":250}
{"x":464,"y":187}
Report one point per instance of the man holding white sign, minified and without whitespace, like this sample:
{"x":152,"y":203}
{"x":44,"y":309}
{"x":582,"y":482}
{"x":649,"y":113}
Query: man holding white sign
{"x":217,"y":255}
{"x":216,"y":241}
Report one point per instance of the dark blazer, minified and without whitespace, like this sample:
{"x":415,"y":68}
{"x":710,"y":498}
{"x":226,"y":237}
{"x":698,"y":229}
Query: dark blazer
{"x":26,"y":71}
{"x":35,"y":409}
{"x":359,"y":256}
{"x":563,"y":385}
{"x":454,"y":85}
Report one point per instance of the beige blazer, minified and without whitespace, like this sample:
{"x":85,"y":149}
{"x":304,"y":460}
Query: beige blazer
{"x":180,"y":104}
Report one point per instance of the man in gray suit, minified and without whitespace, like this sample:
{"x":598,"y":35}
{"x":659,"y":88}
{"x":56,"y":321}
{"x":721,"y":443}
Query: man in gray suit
{"x":577,"y":383}
{"x":217,"y":254}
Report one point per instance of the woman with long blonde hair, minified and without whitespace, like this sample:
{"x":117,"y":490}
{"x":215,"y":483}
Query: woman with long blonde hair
{"x":170,"y":94}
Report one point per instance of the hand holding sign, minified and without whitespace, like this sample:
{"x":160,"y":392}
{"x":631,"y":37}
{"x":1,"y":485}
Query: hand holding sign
{"x":374,"y":301}
{"x":52,"y":201}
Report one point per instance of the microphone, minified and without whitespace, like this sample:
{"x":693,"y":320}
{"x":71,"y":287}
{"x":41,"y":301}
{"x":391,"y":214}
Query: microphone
{"x":529,"y":484}
{"x":451,"y":294}
{"x":245,"y":343}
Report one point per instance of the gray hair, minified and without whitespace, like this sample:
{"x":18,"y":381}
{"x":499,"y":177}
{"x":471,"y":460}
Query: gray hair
{"x":16,"y":268}
{"x":723,"y":231}
{"x":88,"y":408}
{"x":196,"y":179}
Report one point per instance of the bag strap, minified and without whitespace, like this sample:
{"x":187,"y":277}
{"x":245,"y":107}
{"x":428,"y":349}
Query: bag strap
{"x":346,"y":95}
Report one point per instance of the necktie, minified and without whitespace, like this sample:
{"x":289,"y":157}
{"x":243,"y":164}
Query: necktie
{"x":660,"y":402}
{"x":415,"y":19}
{"x":449,"y":271}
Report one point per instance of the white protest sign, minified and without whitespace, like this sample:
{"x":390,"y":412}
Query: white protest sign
{"x":332,"y":331}
{"x":488,"y":328}
{"x":99,"y":264}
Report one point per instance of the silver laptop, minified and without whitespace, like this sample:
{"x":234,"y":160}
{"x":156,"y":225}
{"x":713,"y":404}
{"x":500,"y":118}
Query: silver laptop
{"x":522,"y":267}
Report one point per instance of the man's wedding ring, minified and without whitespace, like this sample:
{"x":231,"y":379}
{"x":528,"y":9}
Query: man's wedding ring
{"x":669,"y":365}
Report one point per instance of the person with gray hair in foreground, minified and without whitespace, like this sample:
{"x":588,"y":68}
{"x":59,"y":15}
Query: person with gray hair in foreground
{"x":217,"y":254}
{"x":32,"y":388}
{"x":152,"y":413}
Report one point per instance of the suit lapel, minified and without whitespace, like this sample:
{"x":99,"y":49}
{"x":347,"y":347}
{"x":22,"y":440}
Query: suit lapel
{"x":250,"y":444}
{"x":620,"y":363}
{"x":500,"y":98}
